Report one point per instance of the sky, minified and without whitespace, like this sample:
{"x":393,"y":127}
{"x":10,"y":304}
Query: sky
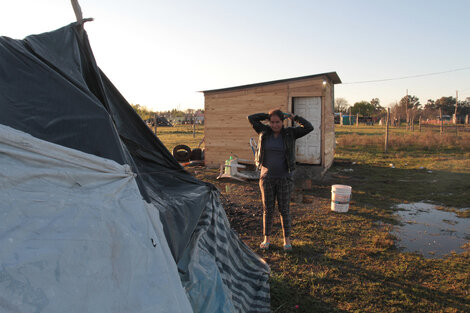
{"x":161,"y":54}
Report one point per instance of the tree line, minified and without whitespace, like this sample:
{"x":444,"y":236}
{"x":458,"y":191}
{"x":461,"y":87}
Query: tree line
{"x":407,"y":105}
{"x":146,"y":113}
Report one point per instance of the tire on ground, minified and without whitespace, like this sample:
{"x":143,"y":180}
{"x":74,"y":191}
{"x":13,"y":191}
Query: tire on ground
{"x":182,"y":153}
{"x":196,"y":154}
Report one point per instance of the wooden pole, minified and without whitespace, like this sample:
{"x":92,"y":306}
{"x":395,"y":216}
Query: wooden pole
{"x":341,"y":118}
{"x":456,"y":105}
{"x":77,"y":10}
{"x":396,"y":115}
{"x":407,"y":113}
{"x":155,"y":123}
{"x":386,"y":130}
{"x":442,"y":122}
{"x":419,"y":123}
{"x":194,"y":130}
{"x":357,"y":120}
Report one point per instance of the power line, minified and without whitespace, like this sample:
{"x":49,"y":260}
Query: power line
{"x":406,"y":77}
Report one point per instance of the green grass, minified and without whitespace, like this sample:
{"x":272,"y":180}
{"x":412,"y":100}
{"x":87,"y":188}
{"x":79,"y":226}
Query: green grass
{"x":350,"y":262}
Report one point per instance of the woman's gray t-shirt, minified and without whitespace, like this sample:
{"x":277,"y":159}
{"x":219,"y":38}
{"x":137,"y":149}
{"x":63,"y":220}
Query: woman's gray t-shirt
{"x":274,"y":160}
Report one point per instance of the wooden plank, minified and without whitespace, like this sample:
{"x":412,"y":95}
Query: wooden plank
{"x":282,"y":87}
{"x":229,"y":122}
{"x":227,"y":146}
{"x":230,"y":135}
{"x":307,"y":82}
{"x":224,"y":94}
{"x":244,"y":110}
{"x":314,"y":93}
{"x":315,"y":89}
{"x":230,"y":127}
{"x":245,"y":101}
{"x":217,"y":156}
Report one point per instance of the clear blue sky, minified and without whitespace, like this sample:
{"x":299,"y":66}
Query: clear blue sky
{"x":161,"y":53}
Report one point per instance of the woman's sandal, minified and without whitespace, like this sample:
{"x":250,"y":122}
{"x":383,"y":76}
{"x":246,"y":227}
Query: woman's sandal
{"x":287,"y":248}
{"x":264,"y":246}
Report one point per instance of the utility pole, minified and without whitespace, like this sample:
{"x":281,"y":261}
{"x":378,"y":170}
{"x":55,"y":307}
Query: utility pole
{"x":456,"y":105}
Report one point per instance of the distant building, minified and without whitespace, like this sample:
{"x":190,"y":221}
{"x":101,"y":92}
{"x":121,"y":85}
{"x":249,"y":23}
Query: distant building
{"x":199,"y":117}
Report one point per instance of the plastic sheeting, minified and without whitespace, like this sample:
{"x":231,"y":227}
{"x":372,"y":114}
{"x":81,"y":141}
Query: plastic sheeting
{"x":76,"y":236}
{"x":51,"y":88}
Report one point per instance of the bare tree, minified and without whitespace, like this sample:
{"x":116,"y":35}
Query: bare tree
{"x":341,"y":105}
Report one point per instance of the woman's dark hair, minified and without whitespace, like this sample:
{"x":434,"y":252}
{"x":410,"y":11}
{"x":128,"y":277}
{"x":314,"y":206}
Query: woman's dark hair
{"x":276,"y":112}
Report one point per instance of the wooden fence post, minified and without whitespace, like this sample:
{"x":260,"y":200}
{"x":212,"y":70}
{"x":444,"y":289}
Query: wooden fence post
{"x":350,"y":116}
{"x":419,"y":123}
{"x":442,"y":122}
{"x":386,"y":130}
{"x":407,"y":120}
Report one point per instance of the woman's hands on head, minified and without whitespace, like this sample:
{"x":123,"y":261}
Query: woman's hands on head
{"x":289,"y":115}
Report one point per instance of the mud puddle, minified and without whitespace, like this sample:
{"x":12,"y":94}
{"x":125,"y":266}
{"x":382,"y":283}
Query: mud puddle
{"x":430,"y":231}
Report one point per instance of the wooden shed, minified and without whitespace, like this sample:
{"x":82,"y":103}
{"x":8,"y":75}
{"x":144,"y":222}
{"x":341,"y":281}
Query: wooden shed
{"x":228,"y":132}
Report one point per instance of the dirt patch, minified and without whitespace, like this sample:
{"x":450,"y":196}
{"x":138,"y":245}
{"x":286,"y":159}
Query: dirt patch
{"x":242,"y":204}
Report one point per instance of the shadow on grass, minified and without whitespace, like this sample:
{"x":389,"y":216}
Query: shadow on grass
{"x":286,"y":297}
{"x":345,"y":282}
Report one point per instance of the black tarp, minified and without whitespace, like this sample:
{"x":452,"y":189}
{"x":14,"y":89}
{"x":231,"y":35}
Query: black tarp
{"x":51,"y":88}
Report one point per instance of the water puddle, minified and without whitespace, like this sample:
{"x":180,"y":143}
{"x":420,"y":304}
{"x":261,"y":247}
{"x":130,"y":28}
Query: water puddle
{"x":429,"y":231}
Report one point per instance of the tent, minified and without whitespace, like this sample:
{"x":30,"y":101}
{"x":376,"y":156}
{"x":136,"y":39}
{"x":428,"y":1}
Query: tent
{"x":96,"y":213}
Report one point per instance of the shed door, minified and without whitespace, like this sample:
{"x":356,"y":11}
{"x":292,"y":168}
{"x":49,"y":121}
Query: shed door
{"x":308,"y":148}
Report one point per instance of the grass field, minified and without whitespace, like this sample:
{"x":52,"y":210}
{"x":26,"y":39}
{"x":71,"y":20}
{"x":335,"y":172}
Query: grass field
{"x":181,"y":135}
{"x":351,"y":262}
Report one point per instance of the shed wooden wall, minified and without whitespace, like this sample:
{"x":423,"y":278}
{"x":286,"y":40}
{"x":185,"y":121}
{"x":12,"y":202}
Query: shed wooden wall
{"x":227,"y":130}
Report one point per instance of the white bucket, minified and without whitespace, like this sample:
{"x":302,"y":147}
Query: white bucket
{"x":340,"y":196}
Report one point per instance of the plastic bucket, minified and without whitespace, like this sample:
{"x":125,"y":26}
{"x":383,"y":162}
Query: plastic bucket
{"x":340,"y":196}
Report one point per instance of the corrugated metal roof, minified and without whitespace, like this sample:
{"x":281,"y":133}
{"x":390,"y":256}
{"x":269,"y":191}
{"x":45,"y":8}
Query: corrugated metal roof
{"x":333,"y":76}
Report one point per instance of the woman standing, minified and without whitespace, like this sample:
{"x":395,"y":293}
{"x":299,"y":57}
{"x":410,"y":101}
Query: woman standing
{"x":276,"y":160}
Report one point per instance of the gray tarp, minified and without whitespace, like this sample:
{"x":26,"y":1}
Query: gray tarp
{"x":76,"y":236}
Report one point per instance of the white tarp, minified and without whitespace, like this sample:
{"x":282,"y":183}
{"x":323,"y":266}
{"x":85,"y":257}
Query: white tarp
{"x":76,"y":236}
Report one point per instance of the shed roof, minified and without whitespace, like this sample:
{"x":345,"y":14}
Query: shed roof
{"x":333,"y":76}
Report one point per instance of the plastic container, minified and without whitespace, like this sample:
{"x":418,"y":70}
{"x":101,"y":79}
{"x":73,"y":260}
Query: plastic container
{"x":340,"y":196}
